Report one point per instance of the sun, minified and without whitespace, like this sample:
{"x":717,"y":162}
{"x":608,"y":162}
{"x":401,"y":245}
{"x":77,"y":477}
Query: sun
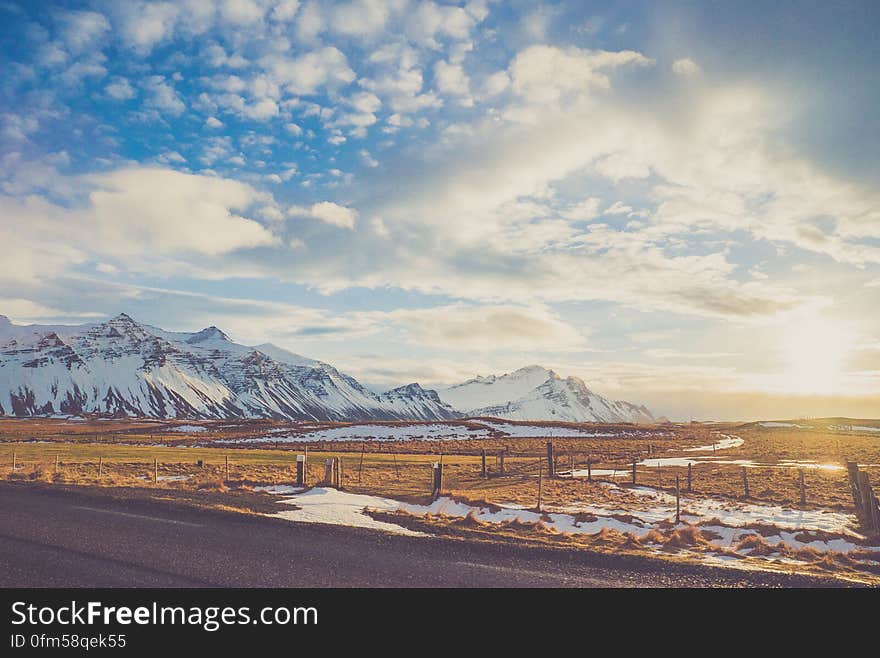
{"x":816,"y":350}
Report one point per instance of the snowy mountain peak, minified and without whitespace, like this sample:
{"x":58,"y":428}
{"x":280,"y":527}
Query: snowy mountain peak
{"x":208,"y":333}
{"x":537,"y":393}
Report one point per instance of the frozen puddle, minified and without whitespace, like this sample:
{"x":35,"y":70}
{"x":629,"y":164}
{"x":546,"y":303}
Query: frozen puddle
{"x":324,"y":505}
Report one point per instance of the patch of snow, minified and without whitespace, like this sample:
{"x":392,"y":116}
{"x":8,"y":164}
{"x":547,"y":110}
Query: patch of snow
{"x":325,"y":505}
{"x":189,"y":428}
{"x":279,"y":489}
{"x":854,"y":428}
{"x":723,"y":444}
{"x":416,"y":431}
{"x":530,"y":431}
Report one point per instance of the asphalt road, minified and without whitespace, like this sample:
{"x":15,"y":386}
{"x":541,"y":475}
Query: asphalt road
{"x":73,"y":539}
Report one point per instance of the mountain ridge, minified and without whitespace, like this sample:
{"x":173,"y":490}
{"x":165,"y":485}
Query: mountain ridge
{"x":124,"y":368}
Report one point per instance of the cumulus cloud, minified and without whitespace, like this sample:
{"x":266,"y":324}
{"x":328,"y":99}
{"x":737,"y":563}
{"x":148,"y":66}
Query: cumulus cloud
{"x":308,"y":73}
{"x":162,"y":96}
{"x":547,"y":74}
{"x":120,"y":89}
{"x":146,"y":215}
{"x":685,"y":67}
{"x":83,"y":29}
{"x":327,"y":212}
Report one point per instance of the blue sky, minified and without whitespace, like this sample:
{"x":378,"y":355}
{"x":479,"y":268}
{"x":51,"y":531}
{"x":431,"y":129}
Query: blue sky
{"x":676,"y":201}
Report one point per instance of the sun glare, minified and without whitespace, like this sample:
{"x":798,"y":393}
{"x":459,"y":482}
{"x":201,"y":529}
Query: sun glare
{"x":816,"y":350}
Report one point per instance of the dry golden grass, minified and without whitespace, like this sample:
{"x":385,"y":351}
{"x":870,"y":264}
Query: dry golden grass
{"x":402,"y":469}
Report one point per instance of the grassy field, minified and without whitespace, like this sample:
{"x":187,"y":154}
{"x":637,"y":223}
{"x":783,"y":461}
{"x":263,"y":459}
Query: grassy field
{"x":402,"y":468}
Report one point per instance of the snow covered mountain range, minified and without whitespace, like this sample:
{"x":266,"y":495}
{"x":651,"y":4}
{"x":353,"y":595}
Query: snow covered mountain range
{"x":535,"y":393}
{"x":121,"y":367}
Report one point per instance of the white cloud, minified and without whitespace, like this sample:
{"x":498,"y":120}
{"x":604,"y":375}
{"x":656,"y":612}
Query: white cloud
{"x":452,"y":80}
{"x":311,"y":72}
{"x":685,"y":67}
{"x":120,"y":89}
{"x":618,"y":208}
{"x":162,"y":96}
{"x":145,"y":24}
{"x":363,"y":18}
{"x":327,"y":212}
{"x":82,"y":30}
{"x":261,"y":111}
{"x":213,"y":122}
{"x":284,"y":10}
{"x":430,"y":21}
{"x":25,"y":311}
{"x":144,"y":215}
{"x":399,"y":80}
{"x":368,"y":159}
{"x":496,"y":83}
{"x":241,"y":12}
{"x":585,"y":210}
{"x":546,"y":74}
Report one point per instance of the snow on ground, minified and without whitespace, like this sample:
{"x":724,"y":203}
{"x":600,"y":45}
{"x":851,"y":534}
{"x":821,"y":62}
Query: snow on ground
{"x":778,"y":424}
{"x":724,"y":443}
{"x":434,"y":432}
{"x":437,"y":432}
{"x":188,"y":428}
{"x":854,"y":428}
{"x":279,"y":489}
{"x":531,"y":431}
{"x":324,"y":505}
{"x":725,"y":521}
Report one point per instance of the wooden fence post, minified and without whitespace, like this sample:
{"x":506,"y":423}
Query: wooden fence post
{"x":328,"y":472}
{"x":483,"y":463}
{"x":745,"y":482}
{"x":227,"y":467}
{"x":802,"y":487}
{"x":589,"y":469}
{"x":436,"y":480}
{"x":300,"y":470}
{"x":677,"y":502}
{"x":551,"y":463}
{"x":56,"y":463}
{"x":852,"y":470}
{"x":100,"y":466}
{"x":361,"y":465}
{"x":634,"y":471}
{"x":571,"y":464}
{"x":13,"y":461}
{"x":690,"y":464}
{"x":870,"y":512}
{"x":540,"y":482}
{"x":501,"y":463}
